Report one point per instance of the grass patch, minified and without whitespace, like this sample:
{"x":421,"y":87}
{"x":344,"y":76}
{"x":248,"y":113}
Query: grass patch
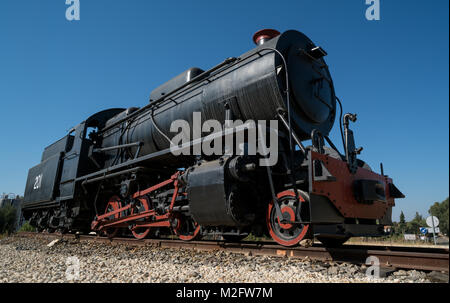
{"x":27,"y":227}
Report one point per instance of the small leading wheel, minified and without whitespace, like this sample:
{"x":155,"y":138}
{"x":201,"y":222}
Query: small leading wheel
{"x":286,"y":234}
{"x":185,"y":227}
{"x":141,"y":205}
{"x":113,"y":204}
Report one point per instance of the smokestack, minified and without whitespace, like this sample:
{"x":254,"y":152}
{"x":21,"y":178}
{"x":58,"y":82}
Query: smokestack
{"x":264,"y":35}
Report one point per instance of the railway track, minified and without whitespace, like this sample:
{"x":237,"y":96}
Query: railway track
{"x":390,"y":258}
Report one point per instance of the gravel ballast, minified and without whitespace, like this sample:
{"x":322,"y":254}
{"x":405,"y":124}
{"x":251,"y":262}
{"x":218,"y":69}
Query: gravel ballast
{"x":32,"y":260}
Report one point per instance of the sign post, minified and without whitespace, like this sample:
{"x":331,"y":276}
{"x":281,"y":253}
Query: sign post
{"x":433,"y":221}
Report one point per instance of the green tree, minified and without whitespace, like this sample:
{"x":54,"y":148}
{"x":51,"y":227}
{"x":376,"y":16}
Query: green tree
{"x":402,"y":223}
{"x":440,"y":210}
{"x":413,"y":226}
{"x":8,"y":217}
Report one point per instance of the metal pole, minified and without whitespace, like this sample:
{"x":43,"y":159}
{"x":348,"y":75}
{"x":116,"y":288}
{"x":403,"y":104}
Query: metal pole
{"x":432,"y":224}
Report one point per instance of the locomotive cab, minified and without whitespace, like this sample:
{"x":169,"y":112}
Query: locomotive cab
{"x":54,"y":180}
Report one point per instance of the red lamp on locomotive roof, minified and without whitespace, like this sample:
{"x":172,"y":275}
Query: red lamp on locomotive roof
{"x":264,"y":35}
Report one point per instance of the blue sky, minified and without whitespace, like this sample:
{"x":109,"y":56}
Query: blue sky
{"x":394,"y":72}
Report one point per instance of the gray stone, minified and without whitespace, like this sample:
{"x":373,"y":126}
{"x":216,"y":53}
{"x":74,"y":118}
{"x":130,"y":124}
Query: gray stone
{"x":400,"y":272}
{"x":439,"y":277}
{"x":333,"y":270}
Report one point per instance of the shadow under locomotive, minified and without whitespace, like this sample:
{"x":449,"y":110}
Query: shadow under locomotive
{"x":116,"y":173}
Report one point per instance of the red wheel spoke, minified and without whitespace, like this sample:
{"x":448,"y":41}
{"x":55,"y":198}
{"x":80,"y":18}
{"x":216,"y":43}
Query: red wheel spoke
{"x":185,"y":228}
{"x":142,"y":205}
{"x":286,"y":234}
{"x":114,"y":204}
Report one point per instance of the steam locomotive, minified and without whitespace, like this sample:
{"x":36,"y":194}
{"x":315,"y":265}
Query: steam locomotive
{"x":119,"y":171}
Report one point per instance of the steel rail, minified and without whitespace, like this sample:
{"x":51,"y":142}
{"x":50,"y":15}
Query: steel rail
{"x":390,"y":257}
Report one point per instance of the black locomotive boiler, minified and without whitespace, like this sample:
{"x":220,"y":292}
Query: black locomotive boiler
{"x":117,"y":172}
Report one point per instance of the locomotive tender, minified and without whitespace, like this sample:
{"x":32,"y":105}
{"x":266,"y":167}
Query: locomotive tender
{"x":116,"y":173}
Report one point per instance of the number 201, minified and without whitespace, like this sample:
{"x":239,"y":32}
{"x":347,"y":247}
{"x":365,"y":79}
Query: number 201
{"x":37,"y":182}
